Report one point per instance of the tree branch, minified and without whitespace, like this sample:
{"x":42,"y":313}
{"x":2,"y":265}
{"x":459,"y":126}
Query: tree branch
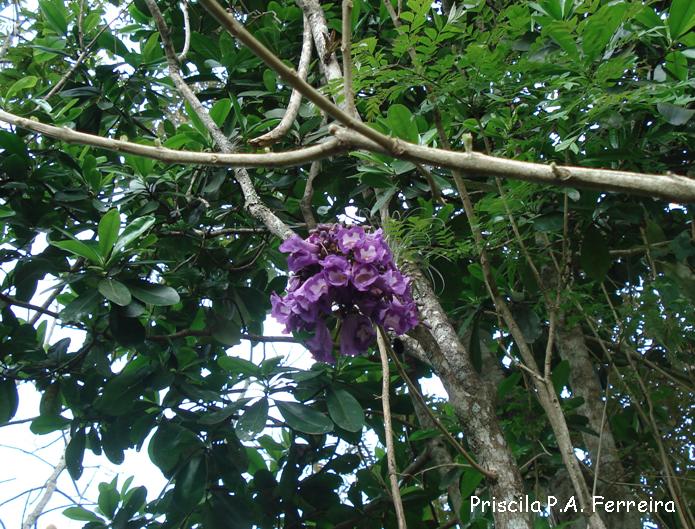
{"x":186,"y":31}
{"x":346,"y":45}
{"x":671,"y":187}
{"x":271,"y":159}
{"x":291,"y":77}
{"x":295,"y":99}
{"x":307,"y":197}
{"x":388,"y":429}
{"x":319,"y":29}
{"x":253,"y":203}
{"x":17,"y":303}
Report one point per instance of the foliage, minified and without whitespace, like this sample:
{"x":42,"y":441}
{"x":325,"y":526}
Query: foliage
{"x":161,"y":269}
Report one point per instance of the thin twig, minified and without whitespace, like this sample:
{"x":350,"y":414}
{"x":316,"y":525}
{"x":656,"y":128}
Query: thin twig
{"x":186,"y":31}
{"x":447,"y":435}
{"x":84,"y":54}
{"x":17,"y":303}
{"x":388,"y":429}
{"x":295,"y":98}
{"x":307,"y":197}
{"x":600,"y":438}
{"x":49,"y":489}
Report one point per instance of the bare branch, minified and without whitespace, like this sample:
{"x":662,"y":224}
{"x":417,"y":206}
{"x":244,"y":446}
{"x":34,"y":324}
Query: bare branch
{"x":270,"y":159}
{"x":388,"y":429}
{"x":324,"y":46}
{"x":305,"y":203}
{"x":295,"y":99}
{"x":671,"y":187}
{"x":49,"y":489}
{"x":346,"y":45}
{"x":14,"y":31}
{"x":17,"y":303}
{"x":186,"y":31}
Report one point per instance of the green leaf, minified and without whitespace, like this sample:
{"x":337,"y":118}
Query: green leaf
{"x":227,"y":332}
{"x":126,"y":331}
{"x":108,"y":232}
{"x":132,"y":231}
{"x":135,"y":502}
{"x":157,"y":295}
{"x":190,"y":484}
{"x":25,"y":82}
{"x":115,"y":291}
{"x":400,"y":121}
{"x":345,"y":411}
{"x":595,"y":257}
{"x":82,"y":305}
{"x":600,"y":28}
{"x":681,"y":17}
{"x":220,"y":111}
{"x":304,"y":419}
{"x":421,"y":435}
{"x":253,"y":420}
{"x":469,"y":482}
{"x":507,"y":383}
{"x":238,"y":366}
{"x":86,"y":249}
{"x":108,"y":498}
{"x":55,"y":14}
{"x":74,"y":453}
{"x":9,"y":400}
{"x":81,"y":514}
{"x":48,"y":423}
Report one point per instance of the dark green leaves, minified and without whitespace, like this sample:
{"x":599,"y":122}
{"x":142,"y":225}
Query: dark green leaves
{"x":595,"y":258}
{"x":600,"y":28}
{"x":190,"y":483}
{"x":151,"y":294}
{"x":253,"y":420}
{"x":345,"y":411}
{"x":115,"y":291}
{"x":304,"y":418}
{"x":9,"y":400}
{"x":74,"y":453}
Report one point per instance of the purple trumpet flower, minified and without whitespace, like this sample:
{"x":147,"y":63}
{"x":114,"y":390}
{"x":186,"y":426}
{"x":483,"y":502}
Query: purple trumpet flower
{"x":347,"y":276}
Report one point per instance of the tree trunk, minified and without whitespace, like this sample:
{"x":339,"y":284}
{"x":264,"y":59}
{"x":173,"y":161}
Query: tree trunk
{"x":472,"y":403}
{"x":585,"y":384}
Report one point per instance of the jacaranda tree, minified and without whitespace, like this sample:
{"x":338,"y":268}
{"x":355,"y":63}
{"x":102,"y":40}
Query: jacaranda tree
{"x":498,"y":193}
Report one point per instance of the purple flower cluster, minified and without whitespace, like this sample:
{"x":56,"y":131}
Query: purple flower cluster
{"x":343,"y":274}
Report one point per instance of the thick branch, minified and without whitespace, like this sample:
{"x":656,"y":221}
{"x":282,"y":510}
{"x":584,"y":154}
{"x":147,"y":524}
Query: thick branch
{"x":295,"y":99}
{"x":224,"y":159}
{"x":675,"y":188}
{"x":319,"y":28}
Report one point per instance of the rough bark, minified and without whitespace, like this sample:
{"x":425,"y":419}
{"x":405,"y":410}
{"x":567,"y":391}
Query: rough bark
{"x":471,"y":401}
